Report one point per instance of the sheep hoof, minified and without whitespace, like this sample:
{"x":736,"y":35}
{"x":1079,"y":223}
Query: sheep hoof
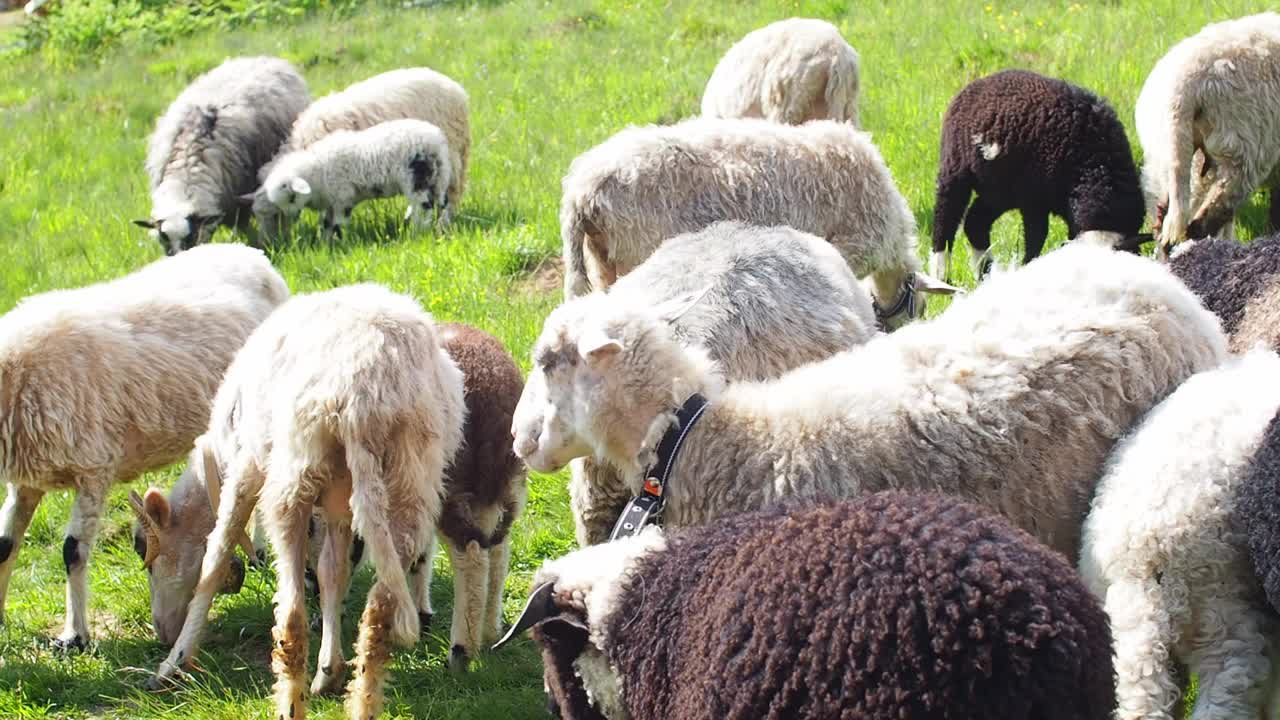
{"x":156,"y":684}
{"x":328,"y":680}
{"x":424,"y":619}
{"x":459,"y":662}
{"x":73,"y":643}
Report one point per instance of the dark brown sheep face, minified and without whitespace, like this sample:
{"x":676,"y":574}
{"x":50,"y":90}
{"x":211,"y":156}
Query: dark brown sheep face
{"x":564,"y":640}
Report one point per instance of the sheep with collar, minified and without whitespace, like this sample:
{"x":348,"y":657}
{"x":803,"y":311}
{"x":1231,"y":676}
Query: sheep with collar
{"x":399,"y":157}
{"x":343,"y":401}
{"x":1021,"y":141}
{"x":1208,"y":118}
{"x":209,"y":145}
{"x":625,"y":196}
{"x":1165,"y":548}
{"x":770,"y":300}
{"x":791,"y":71}
{"x":884,"y":607}
{"x":101,"y":384}
{"x":1012,"y":383}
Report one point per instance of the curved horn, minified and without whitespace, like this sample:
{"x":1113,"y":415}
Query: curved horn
{"x":539,"y":607}
{"x":213,"y":485}
{"x":148,"y":529}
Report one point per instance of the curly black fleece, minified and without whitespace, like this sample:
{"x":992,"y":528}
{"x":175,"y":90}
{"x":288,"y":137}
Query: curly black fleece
{"x":1258,"y":506}
{"x":1226,"y":275}
{"x":890,"y":606}
{"x":1062,"y":150}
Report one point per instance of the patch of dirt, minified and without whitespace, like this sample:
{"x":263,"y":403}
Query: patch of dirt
{"x":545,"y":279}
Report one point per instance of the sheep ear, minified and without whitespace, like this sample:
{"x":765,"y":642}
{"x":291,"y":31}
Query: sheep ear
{"x":300,"y":186}
{"x":245,"y":201}
{"x":671,"y":310}
{"x":1134,"y":243}
{"x":148,"y":224}
{"x":596,"y":348}
{"x":541,"y":605}
{"x":156,"y":508}
{"x":927,"y":284}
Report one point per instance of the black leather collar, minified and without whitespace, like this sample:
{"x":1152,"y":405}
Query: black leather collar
{"x":645,"y":507}
{"x":906,"y":301}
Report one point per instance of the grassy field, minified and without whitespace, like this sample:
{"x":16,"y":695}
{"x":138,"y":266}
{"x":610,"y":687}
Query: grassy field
{"x":547,"y":80}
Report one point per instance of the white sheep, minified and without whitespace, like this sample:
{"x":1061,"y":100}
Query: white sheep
{"x":404,"y":94}
{"x":1165,"y":549}
{"x":103,"y":383}
{"x":790,"y":71}
{"x":399,"y":157}
{"x":625,"y":196}
{"x":771,"y":299}
{"x":1011,"y":398}
{"x":209,"y":145}
{"x":343,"y":400}
{"x":1208,"y":118}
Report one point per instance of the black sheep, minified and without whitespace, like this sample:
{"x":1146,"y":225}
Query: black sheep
{"x":1038,"y":145}
{"x":888,"y":606}
{"x":1258,"y":504}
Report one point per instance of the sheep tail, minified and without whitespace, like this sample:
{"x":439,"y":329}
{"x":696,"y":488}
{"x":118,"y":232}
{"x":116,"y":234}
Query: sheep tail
{"x":842,"y":91}
{"x":1181,"y":153}
{"x":371,"y":510}
{"x":576,"y":283}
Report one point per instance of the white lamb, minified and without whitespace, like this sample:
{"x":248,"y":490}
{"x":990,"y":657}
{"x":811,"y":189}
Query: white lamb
{"x":405,"y":94}
{"x":1208,"y":118}
{"x":400,"y":157}
{"x":790,"y":71}
{"x":625,"y":196}
{"x":1012,"y":398}
{"x":208,"y":146}
{"x":343,"y":401}
{"x":1165,"y":549}
{"x":101,"y":384}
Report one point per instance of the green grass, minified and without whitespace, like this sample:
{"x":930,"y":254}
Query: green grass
{"x":547,"y":81}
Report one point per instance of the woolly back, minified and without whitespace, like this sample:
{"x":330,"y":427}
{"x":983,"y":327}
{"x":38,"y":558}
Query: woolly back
{"x":1228,"y":276}
{"x":1258,"y":505}
{"x":890,"y":606}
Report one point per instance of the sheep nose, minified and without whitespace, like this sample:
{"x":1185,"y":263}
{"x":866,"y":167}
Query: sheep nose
{"x":525,"y":447}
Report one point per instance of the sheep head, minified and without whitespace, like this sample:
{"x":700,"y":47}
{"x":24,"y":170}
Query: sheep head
{"x":602,"y":373}
{"x":170,"y":537}
{"x":567,"y":612}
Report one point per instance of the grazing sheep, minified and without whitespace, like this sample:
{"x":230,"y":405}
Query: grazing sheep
{"x":1032,"y":377}
{"x":1238,"y":283}
{"x":774,"y":299}
{"x":889,"y":606}
{"x":484,"y":493}
{"x":208,"y":146}
{"x":399,"y":157}
{"x":1021,"y":141}
{"x":345,"y":401}
{"x":1164,"y":548}
{"x":101,"y":384}
{"x":404,"y":94}
{"x":646,"y":184}
{"x":790,"y":71}
{"x":1208,"y":118}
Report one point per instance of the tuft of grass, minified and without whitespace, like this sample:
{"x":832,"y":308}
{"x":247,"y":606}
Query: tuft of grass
{"x":547,"y":81}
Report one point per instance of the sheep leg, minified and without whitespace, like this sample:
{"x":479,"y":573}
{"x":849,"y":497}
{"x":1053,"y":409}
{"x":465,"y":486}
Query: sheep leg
{"x":239,"y":496}
{"x":948,"y":210}
{"x":333,"y":573}
{"x":287,"y":526}
{"x":499,"y":562}
{"x":470,"y":591}
{"x":15,"y":517}
{"x":1035,"y":228}
{"x":1230,"y":659}
{"x":1146,"y":688}
{"x":977,"y":227}
{"x":420,"y":583}
{"x":82,"y":531}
